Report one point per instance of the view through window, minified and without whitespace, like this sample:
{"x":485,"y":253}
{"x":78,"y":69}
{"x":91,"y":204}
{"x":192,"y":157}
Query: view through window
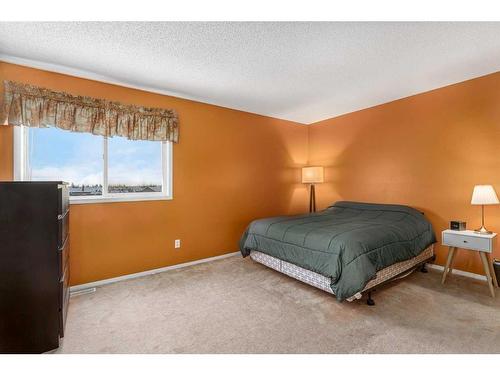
{"x":80,"y":159}
{"x":77,"y":158}
{"x":134,"y":166}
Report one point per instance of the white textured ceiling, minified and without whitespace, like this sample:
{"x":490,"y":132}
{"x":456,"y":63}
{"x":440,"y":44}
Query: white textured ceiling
{"x":298,"y":71}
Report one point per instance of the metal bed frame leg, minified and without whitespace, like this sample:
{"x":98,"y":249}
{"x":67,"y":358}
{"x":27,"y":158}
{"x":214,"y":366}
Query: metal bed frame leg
{"x":423,"y":269}
{"x":369,"y":301}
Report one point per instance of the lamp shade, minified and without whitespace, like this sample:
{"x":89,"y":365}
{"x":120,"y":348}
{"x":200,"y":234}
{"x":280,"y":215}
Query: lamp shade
{"x":312,"y":175}
{"x":484,"y":194}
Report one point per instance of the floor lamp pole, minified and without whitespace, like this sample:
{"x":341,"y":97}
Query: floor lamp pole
{"x":312,"y":199}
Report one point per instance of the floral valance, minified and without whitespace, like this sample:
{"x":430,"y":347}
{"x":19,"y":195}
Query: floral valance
{"x":39,"y":107}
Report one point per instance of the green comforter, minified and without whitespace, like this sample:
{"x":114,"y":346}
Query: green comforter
{"x":348,"y":242}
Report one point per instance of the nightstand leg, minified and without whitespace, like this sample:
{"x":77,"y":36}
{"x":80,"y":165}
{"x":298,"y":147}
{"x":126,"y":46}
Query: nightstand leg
{"x":449,"y":261}
{"x":486,"y":267}
{"x":455,"y":251}
{"x":492,"y":271}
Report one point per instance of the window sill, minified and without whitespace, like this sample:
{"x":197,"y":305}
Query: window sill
{"x":94,"y":200}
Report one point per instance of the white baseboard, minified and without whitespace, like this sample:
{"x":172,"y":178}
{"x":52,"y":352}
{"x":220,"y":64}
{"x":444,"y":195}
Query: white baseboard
{"x":458,"y":272}
{"x":94,"y":284}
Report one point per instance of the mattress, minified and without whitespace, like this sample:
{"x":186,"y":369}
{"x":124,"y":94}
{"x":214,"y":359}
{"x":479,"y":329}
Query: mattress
{"x":323,"y":282}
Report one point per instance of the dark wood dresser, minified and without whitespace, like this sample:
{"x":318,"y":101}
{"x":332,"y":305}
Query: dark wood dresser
{"x":34,"y":265}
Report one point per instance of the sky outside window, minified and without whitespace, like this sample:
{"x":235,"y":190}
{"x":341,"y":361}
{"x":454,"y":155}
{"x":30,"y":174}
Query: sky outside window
{"x":57,"y":154}
{"x":133,"y":166}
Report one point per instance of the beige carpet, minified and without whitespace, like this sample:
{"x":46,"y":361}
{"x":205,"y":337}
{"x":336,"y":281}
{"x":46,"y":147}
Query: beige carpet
{"x":237,"y":306}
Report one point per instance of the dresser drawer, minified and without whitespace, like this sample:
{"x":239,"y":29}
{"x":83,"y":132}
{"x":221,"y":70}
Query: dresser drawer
{"x":63,"y":300}
{"x":467,"y":242}
{"x":63,"y":200}
{"x":63,"y":257}
{"x":63,"y":224}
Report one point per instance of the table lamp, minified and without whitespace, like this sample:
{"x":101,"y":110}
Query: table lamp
{"x":482,"y":195}
{"x":312,"y":175}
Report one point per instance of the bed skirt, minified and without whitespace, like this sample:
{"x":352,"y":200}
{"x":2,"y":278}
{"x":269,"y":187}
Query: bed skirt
{"x":323,"y":282}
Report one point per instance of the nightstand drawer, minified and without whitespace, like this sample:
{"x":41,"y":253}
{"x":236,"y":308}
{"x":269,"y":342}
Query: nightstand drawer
{"x":467,"y":242}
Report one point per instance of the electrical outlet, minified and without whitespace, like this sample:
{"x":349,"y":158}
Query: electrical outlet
{"x":177,"y":244}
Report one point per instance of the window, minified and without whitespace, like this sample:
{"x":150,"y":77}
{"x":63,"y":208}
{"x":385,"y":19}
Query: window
{"x":97,"y":168}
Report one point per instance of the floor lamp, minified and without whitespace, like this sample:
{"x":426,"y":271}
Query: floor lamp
{"x":312,"y":175}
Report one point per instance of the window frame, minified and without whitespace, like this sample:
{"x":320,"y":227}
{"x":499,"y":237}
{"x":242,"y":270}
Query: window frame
{"x":21,"y":167}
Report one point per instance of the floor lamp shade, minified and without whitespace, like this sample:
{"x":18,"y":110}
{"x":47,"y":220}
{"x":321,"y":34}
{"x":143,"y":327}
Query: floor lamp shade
{"x":312,"y":175}
{"x":483,"y":195}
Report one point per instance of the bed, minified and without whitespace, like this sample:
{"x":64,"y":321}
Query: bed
{"x":347,"y":249}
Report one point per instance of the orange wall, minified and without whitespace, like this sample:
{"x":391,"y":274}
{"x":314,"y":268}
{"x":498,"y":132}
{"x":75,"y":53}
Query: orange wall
{"x":427,"y":151}
{"x":230,"y":167}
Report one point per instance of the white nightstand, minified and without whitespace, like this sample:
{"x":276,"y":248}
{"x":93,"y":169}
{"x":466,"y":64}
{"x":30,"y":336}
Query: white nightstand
{"x":469,"y":240}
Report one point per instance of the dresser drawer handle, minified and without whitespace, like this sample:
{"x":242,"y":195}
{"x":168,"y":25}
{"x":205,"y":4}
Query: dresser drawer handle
{"x":465,"y":241}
